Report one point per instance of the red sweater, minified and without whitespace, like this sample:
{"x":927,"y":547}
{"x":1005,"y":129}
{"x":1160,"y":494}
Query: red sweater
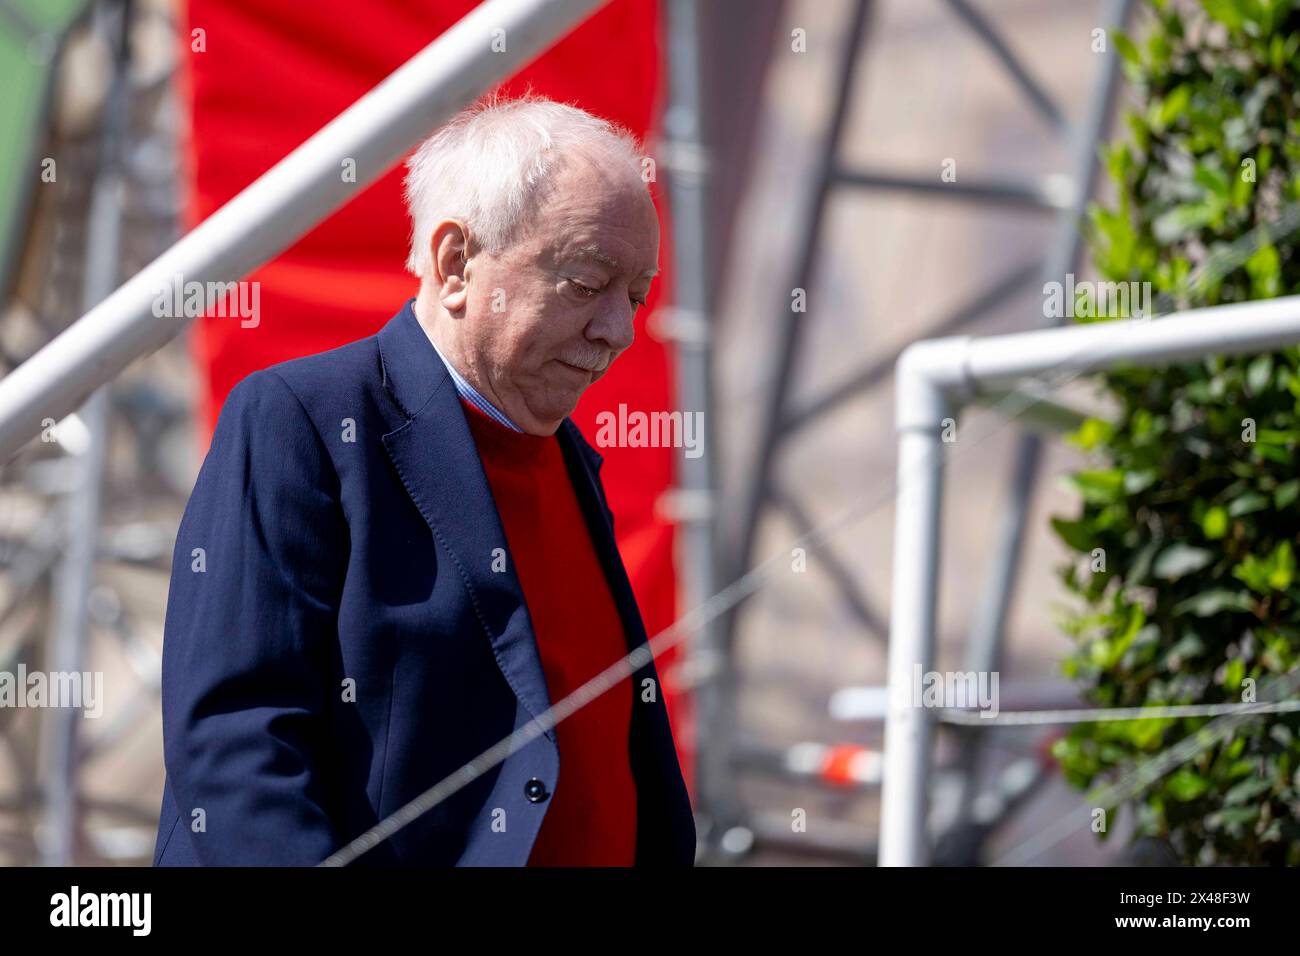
{"x":592,"y":817}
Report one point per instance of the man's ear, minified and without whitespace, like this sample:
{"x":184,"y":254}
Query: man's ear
{"x":449,"y":246}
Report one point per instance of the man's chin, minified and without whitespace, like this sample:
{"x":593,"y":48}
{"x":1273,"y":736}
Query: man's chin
{"x":547,"y":416}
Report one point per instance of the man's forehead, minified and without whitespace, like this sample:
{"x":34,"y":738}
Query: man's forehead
{"x":592,"y":251}
{"x":582,"y":249}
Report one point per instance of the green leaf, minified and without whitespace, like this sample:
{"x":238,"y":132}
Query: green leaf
{"x":1259,"y":373}
{"x":1213,"y":179}
{"x":1215,"y":523}
{"x":1232,"y":817}
{"x":1139,"y":481}
{"x":1180,"y":559}
{"x":1273,"y":572}
{"x":1126,"y":48}
{"x":1227,"y":12}
{"x":1173,"y":106}
{"x":1283,"y":571}
{"x":1140,"y":566}
{"x":1247,"y":790}
{"x":1099,"y":487}
{"x":1248,"y":503}
{"x":1233,"y":675}
{"x":1275,"y":436}
{"x":1182,"y":221}
{"x":1077,"y":534}
{"x":1265,"y":270}
{"x":1185,"y":785}
{"x":1091,"y":433}
{"x":1286,"y":493}
{"x":1209,"y":603}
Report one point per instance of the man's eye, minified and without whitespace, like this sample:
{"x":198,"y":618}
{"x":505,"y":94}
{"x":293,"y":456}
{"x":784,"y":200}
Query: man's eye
{"x":585,"y":291}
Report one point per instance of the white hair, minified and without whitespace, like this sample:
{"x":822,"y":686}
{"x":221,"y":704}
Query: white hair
{"x":486,"y":165}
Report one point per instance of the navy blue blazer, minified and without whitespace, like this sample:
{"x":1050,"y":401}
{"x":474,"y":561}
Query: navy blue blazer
{"x":341,"y":534}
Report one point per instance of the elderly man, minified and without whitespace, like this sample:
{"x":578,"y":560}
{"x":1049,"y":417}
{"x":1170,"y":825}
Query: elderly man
{"x":399,"y":552}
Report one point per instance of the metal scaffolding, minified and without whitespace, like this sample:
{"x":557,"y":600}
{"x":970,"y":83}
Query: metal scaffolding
{"x":1066,"y":198}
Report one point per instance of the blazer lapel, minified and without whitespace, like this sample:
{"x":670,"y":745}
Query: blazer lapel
{"x":583,"y":464}
{"x":651,"y":747}
{"x":437,"y":461}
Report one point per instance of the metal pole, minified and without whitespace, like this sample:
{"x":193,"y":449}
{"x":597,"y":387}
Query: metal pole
{"x":921,"y":406}
{"x":487,"y":45}
{"x":789,"y":322}
{"x":1043,"y":194}
{"x":1005,"y":361}
{"x":76,"y":572}
{"x":688,"y":177}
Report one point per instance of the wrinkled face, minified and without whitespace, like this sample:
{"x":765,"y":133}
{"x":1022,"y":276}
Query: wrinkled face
{"x":548,"y":316}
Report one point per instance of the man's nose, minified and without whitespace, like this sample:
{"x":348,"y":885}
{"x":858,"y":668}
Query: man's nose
{"x":613,"y":326}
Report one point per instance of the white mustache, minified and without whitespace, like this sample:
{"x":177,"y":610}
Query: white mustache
{"x":594,"y":363}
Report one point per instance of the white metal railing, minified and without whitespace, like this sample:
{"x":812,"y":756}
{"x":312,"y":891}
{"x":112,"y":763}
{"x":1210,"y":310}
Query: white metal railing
{"x":488,"y":45}
{"x":935,"y":378}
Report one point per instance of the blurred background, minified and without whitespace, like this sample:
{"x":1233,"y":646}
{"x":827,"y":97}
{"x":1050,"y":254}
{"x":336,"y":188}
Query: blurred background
{"x":801,"y":146}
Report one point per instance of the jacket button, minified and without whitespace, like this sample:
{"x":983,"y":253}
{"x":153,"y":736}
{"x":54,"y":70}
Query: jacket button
{"x":535,"y":790}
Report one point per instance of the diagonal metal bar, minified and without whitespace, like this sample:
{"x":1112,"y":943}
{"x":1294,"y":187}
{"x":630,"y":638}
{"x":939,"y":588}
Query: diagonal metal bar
{"x":68,"y":648}
{"x":1025,"y":82}
{"x":788,"y":322}
{"x":842,"y":578}
{"x":883,"y":368}
{"x":1045,"y":194}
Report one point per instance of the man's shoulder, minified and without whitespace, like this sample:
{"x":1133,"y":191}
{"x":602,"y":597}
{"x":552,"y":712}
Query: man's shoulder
{"x":341,"y":376}
{"x":323,"y":373}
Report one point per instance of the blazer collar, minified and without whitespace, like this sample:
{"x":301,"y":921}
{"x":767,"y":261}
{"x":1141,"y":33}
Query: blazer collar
{"x":413,"y":373}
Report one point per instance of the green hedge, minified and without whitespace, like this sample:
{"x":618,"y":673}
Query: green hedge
{"x":1192,"y":493}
